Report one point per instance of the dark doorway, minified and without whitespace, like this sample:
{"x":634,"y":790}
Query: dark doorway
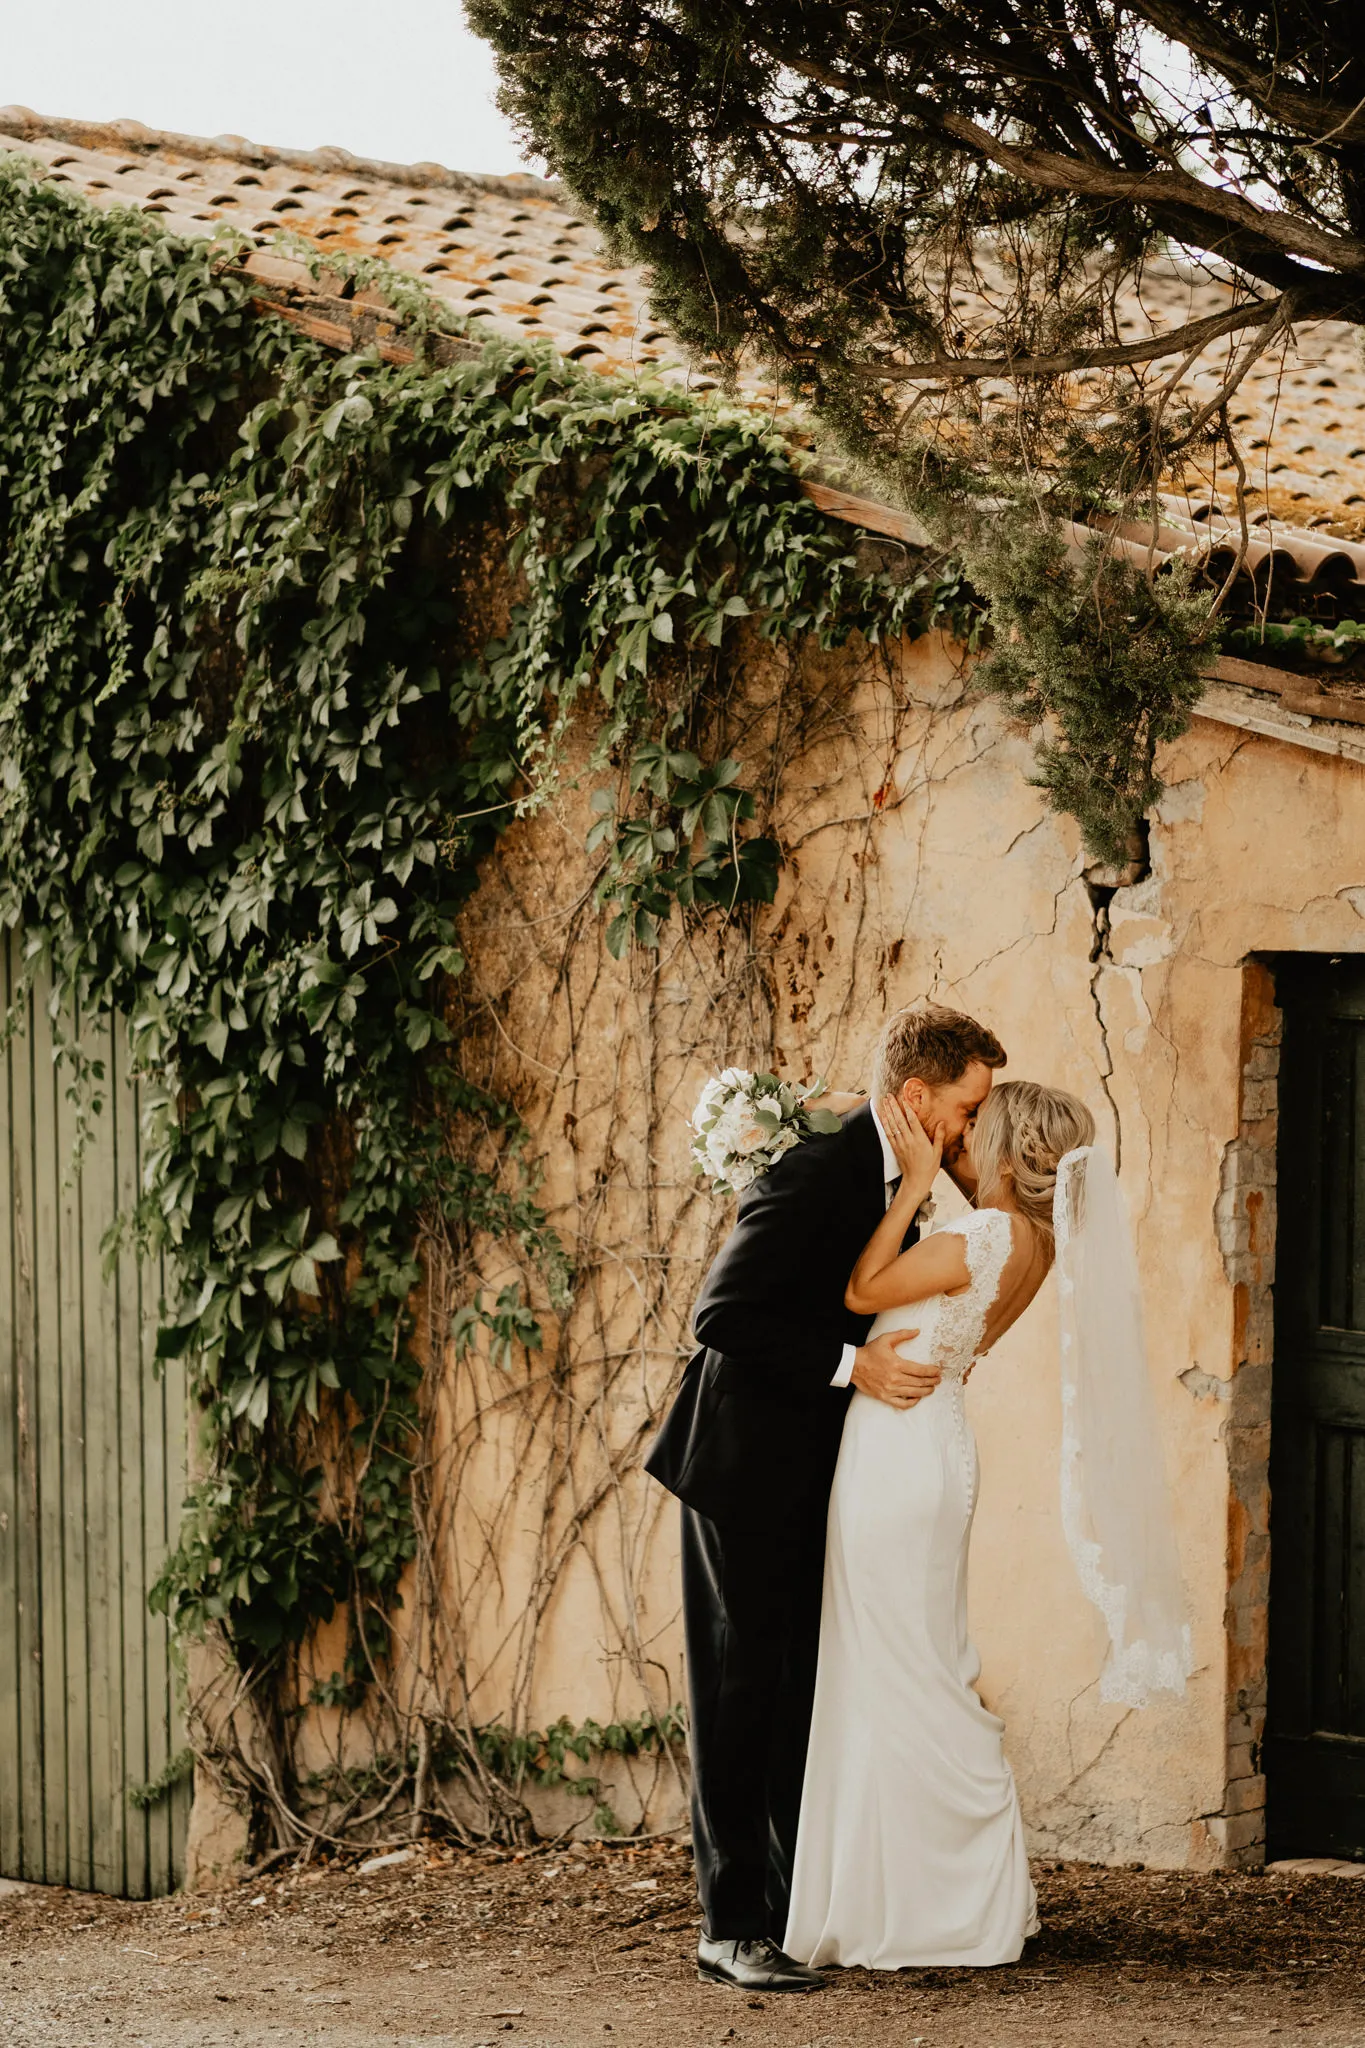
{"x":1315,"y":1736}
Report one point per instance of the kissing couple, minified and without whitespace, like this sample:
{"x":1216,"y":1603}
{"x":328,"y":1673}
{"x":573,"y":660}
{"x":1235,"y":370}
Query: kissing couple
{"x":851,"y":1800}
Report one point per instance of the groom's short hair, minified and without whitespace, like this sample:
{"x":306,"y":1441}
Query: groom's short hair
{"x":932,"y":1044}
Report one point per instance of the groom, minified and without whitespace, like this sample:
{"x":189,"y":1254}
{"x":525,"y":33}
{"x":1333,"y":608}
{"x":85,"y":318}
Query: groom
{"x":749,"y":1447}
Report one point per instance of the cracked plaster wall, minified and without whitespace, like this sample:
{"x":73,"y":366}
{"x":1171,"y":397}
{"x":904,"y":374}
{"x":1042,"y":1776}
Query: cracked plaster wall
{"x":921,"y":863}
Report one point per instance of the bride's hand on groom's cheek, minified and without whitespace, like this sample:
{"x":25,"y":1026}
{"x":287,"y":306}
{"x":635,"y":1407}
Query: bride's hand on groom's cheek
{"x":919,"y":1153}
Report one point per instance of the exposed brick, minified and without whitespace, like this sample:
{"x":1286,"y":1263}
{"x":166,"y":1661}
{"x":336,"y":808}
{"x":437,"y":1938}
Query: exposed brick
{"x":1239,"y":1830}
{"x":1234,"y":1242}
{"x":1246,"y":1727}
{"x":1246,"y":1796}
{"x":1250,"y":1404}
{"x":1244,"y":1221}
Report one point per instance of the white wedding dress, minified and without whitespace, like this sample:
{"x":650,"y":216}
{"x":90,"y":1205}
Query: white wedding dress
{"x":910,"y":1851}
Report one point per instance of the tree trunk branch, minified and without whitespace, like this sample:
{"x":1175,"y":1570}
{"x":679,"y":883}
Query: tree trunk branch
{"x":1317,"y":120}
{"x":1196,"y":334}
{"x":1161,"y":188}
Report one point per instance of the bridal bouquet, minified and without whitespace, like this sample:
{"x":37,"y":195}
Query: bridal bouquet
{"x":743,"y":1124}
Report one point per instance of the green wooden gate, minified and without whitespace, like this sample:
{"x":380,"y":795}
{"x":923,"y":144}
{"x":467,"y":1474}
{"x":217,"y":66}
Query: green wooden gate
{"x":92,"y":1464}
{"x":1315,"y":1742}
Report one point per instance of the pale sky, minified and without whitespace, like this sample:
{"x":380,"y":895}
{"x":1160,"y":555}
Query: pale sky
{"x":407,"y":81}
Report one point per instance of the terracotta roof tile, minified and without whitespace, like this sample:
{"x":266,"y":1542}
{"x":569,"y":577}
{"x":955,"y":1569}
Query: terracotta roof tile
{"x":511,"y":252}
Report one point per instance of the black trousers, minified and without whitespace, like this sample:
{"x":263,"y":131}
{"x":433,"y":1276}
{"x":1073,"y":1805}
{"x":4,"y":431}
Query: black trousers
{"x":751,"y":1611}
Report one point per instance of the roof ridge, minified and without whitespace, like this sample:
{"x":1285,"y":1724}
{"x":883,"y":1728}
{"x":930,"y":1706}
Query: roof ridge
{"x":137,"y":139}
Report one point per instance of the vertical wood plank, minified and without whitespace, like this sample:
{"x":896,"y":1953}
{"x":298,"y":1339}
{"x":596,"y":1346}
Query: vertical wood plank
{"x":1353,"y":1650}
{"x":159,"y":1711}
{"x":1355,"y":1187}
{"x":77,"y":1494}
{"x":177,"y":1425}
{"x":160,"y":1527}
{"x":1336,"y":1142}
{"x":174,"y":1424}
{"x":11,"y":1510}
{"x":32,"y":1862}
{"x":108,"y":1762}
{"x":142,"y":1656}
{"x":1329,"y":1577}
{"x":50,"y":1426}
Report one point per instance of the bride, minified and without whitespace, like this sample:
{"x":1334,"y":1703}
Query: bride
{"x":910,"y":1849}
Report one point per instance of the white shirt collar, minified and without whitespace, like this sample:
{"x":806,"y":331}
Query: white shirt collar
{"x":891,"y":1166}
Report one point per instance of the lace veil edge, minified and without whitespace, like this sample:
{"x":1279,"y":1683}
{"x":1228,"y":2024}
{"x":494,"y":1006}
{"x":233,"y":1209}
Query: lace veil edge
{"x":1116,"y":1509}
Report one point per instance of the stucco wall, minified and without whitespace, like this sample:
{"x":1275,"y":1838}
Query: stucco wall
{"x":920,"y":863}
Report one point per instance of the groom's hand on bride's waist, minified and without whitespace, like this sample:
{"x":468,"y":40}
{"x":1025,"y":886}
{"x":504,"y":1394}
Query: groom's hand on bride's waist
{"x":879,"y":1370}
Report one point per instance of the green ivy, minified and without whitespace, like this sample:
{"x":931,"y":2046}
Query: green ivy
{"x":1307,"y":640}
{"x":177,"y":1772}
{"x":541,"y":1756}
{"x":261,"y":720}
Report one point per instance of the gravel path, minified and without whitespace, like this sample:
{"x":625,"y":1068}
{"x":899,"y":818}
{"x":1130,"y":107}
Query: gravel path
{"x":561,"y":1948}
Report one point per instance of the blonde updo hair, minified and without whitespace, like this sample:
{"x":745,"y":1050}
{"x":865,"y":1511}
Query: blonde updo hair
{"x":1023,"y":1130}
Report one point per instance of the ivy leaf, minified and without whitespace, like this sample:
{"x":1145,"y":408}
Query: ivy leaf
{"x":465,"y":1324}
{"x":230,"y":1210}
{"x":303,"y":1276}
{"x":294,"y":1137}
{"x":418,"y":1026}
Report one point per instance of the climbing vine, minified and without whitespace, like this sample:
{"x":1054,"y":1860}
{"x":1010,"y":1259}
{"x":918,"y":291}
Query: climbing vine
{"x":288,"y":638}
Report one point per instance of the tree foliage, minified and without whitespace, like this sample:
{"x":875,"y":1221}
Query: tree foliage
{"x":825,"y":179}
{"x":928,"y":215}
{"x":287,"y":639}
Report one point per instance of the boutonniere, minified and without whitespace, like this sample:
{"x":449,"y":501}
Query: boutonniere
{"x":924,"y":1215}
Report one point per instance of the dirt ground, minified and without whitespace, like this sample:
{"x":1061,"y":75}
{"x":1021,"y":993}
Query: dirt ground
{"x":562,"y":1947}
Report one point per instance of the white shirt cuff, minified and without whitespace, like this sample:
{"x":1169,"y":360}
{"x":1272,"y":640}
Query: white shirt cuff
{"x":845,"y":1373}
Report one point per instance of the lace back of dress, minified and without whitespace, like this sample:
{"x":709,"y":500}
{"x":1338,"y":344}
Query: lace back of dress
{"x":987,"y":1241}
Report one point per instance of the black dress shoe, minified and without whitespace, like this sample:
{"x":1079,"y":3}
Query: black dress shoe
{"x":752,"y":1966}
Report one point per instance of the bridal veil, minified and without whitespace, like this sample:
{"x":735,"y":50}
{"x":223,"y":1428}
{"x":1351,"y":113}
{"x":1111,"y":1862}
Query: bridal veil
{"x":1116,"y":1510}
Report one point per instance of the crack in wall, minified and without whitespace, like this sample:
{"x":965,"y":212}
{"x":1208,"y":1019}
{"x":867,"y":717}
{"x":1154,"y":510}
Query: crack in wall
{"x":1101,"y":895}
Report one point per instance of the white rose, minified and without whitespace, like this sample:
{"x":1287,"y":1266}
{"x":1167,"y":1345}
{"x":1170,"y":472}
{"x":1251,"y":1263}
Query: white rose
{"x":717,"y":1152}
{"x":710,"y":1099}
{"x":750,"y":1137}
{"x":733,"y":1121}
{"x":737,"y":1077}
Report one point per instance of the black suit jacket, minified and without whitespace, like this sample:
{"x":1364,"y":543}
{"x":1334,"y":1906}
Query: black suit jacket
{"x":754,"y":1431}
